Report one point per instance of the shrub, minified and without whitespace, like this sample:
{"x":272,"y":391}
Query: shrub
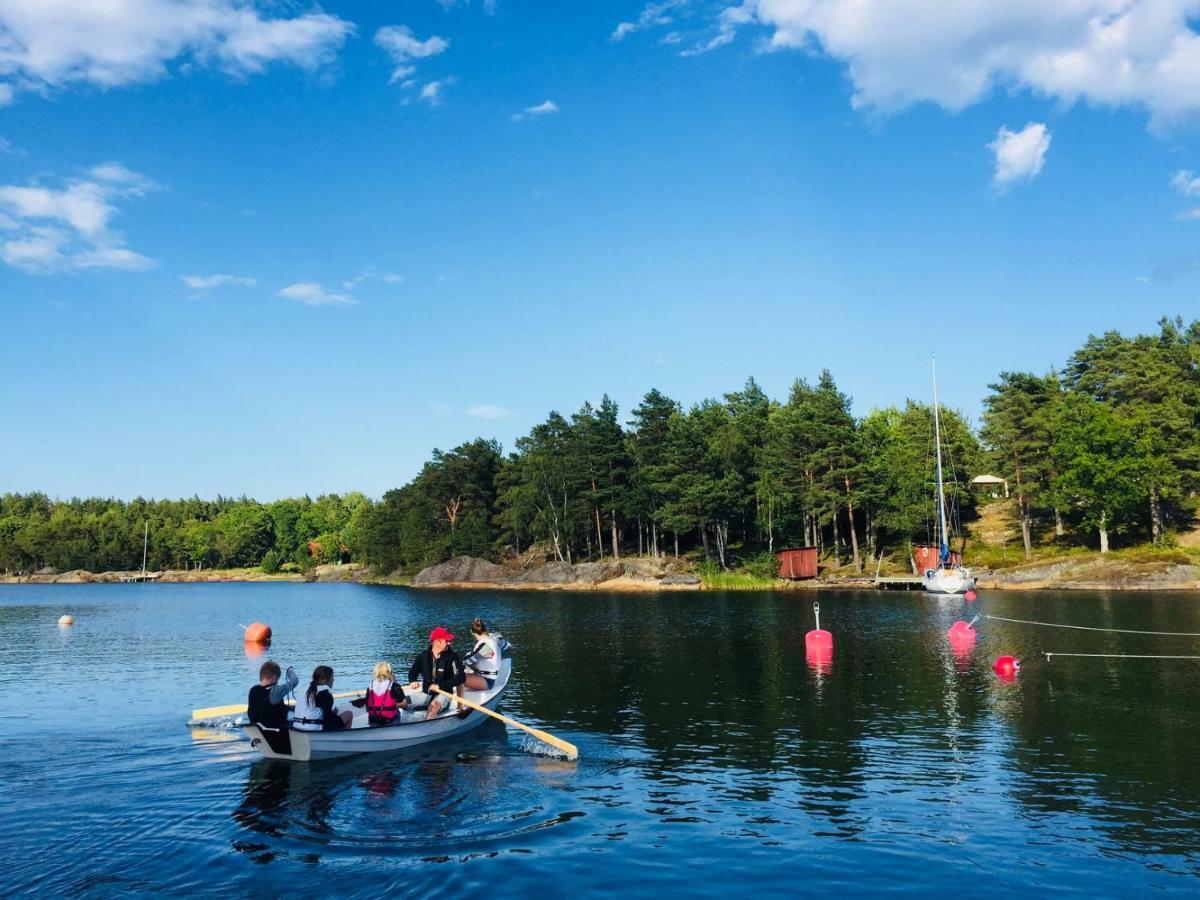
{"x":272,"y":561}
{"x":765,"y":565}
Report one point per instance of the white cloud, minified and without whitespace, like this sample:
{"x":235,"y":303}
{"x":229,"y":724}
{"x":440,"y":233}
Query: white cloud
{"x":546,"y":108}
{"x":208,"y":282}
{"x":1116,"y":53}
{"x":112,"y":258}
{"x":489,"y":411}
{"x":400,"y":44}
{"x":431,"y":93}
{"x":385,"y":277}
{"x":1020,"y":155}
{"x":653,"y":14}
{"x":48,"y":229}
{"x":55,"y":43}
{"x":310,"y":293}
{"x":1187,"y":183}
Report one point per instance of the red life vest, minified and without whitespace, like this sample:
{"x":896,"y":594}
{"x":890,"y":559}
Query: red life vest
{"x":382,"y":706}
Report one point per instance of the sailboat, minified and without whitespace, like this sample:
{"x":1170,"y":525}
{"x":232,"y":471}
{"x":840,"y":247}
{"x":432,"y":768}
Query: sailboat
{"x":949,"y":577}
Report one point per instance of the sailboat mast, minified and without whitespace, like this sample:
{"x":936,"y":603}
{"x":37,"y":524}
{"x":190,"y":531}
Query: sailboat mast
{"x":145,"y":545}
{"x":941,"y":494}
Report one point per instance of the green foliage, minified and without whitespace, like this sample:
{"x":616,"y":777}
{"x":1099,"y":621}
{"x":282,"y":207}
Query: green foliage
{"x":764,"y":565}
{"x":1114,"y":442}
{"x":272,"y":561}
{"x":106,"y":535}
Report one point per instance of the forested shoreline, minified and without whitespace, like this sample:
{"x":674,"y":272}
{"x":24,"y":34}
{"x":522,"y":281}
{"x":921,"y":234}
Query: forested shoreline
{"x":1105,"y":451}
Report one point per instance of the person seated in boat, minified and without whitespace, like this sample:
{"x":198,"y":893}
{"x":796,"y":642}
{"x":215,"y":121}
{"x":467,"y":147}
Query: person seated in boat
{"x":483,"y":662}
{"x":384,"y":698}
{"x":438,"y":665}
{"x":265,"y":704}
{"x":315,"y":709}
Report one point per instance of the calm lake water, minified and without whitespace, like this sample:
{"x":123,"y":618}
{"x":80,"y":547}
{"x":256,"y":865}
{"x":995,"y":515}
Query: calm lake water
{"x":712,"y":758}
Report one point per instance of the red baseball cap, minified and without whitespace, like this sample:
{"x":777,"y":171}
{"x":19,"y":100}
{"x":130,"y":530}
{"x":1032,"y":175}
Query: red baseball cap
{"x":440,"y":634}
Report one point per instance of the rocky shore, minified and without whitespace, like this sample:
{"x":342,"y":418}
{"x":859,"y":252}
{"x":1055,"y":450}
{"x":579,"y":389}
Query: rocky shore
{"x":350,"y":572}
{"x":1091,"y":573}
{"x":612,"y":575}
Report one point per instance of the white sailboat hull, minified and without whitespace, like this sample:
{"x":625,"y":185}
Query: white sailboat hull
{"x":361,"y":737}
{"x":948,"y":581}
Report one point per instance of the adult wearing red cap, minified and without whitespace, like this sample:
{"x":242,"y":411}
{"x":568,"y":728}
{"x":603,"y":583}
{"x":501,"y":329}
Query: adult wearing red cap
{"x":439,"y":665}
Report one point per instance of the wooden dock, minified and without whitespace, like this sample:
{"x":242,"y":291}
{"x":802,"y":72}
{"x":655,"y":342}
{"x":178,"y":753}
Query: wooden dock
{"x":899,"y":583}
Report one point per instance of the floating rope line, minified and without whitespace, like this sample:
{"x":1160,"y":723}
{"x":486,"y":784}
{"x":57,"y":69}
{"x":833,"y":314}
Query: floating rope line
{"x":1117,"y":655}
{"x":1090,"y":628}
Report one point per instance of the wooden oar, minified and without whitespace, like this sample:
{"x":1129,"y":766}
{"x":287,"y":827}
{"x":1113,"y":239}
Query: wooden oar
{"x":233,"y":709}
{"x":565,"y":746}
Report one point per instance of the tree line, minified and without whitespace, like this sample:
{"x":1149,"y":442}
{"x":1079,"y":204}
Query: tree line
{"x":110,"y":535}
{"x":1109,"y":446}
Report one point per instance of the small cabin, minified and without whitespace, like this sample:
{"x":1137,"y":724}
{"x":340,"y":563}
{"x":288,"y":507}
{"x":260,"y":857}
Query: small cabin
{"x":797,"y":562}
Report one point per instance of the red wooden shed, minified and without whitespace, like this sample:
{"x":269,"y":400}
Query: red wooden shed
{"x":926,"y":557}
{"x":797,"y":562}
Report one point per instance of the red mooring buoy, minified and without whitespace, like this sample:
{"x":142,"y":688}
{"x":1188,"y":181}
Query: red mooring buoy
{"x":1007,"y":667}
{"x":970,"y":595}
{"x":818,"y":644}
{"x":258,"y":633}
{"x":962,"y":640}
{"x":961,"y":631}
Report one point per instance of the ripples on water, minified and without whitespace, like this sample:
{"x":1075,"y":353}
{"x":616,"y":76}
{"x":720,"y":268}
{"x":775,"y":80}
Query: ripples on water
{"x":712,"y":757}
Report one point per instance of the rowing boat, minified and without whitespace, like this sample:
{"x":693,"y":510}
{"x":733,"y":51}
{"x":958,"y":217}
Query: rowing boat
{"x":411,"y":731}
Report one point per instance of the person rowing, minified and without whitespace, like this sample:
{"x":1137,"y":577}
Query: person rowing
{"x":438,"y":664}
{"x":483,"y":660}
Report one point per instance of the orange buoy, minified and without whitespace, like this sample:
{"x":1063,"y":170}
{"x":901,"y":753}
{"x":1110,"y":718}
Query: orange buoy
{"x":258,"y":633}
{"x":66,"y":620}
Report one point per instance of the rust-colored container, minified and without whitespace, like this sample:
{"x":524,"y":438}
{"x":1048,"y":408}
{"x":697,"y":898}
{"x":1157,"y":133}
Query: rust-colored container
{"x":797,"y":562}
{"x":927,"y":557}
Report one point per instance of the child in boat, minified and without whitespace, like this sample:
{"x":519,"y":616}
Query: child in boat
{"x":315,"y":709}
{"x":484,"y":660}
{"x":385,"y":698}
{"x":265,"y":704}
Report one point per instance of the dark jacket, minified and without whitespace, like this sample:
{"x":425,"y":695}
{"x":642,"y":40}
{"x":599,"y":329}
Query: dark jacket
{"x":265,"y":705}
{"x":261,"y":711}
{"x":330,"y":721}
{"x":446,"y":671}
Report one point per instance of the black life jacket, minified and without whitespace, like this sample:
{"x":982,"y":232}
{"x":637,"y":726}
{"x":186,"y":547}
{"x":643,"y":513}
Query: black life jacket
{"x":262,"y":711}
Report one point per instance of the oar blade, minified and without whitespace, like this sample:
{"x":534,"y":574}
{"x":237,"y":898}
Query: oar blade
{"x":218,"y":712}
{"x":571,"y":751}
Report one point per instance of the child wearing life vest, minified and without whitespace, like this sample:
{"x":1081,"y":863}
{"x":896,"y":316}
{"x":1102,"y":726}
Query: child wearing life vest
{"x":265,"y":704}
{"x":484,"y":660}
{"x":315,"y":709}
{"x":385,"y":698}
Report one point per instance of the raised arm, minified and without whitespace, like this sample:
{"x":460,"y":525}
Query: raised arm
{"x":281,"y":689}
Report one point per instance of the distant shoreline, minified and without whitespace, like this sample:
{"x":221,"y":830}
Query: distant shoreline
{"x":1084,"y":573}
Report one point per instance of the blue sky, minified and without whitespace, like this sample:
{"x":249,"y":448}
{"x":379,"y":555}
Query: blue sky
{"x":272,"y":248}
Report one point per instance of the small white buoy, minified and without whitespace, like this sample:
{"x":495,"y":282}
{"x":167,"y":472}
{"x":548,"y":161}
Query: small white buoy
{"x":66,"y":620}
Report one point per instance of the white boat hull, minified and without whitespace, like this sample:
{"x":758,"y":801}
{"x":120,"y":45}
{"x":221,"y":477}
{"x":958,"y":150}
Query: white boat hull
{"x":361,"y":737}
{"x":948,"y":581}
